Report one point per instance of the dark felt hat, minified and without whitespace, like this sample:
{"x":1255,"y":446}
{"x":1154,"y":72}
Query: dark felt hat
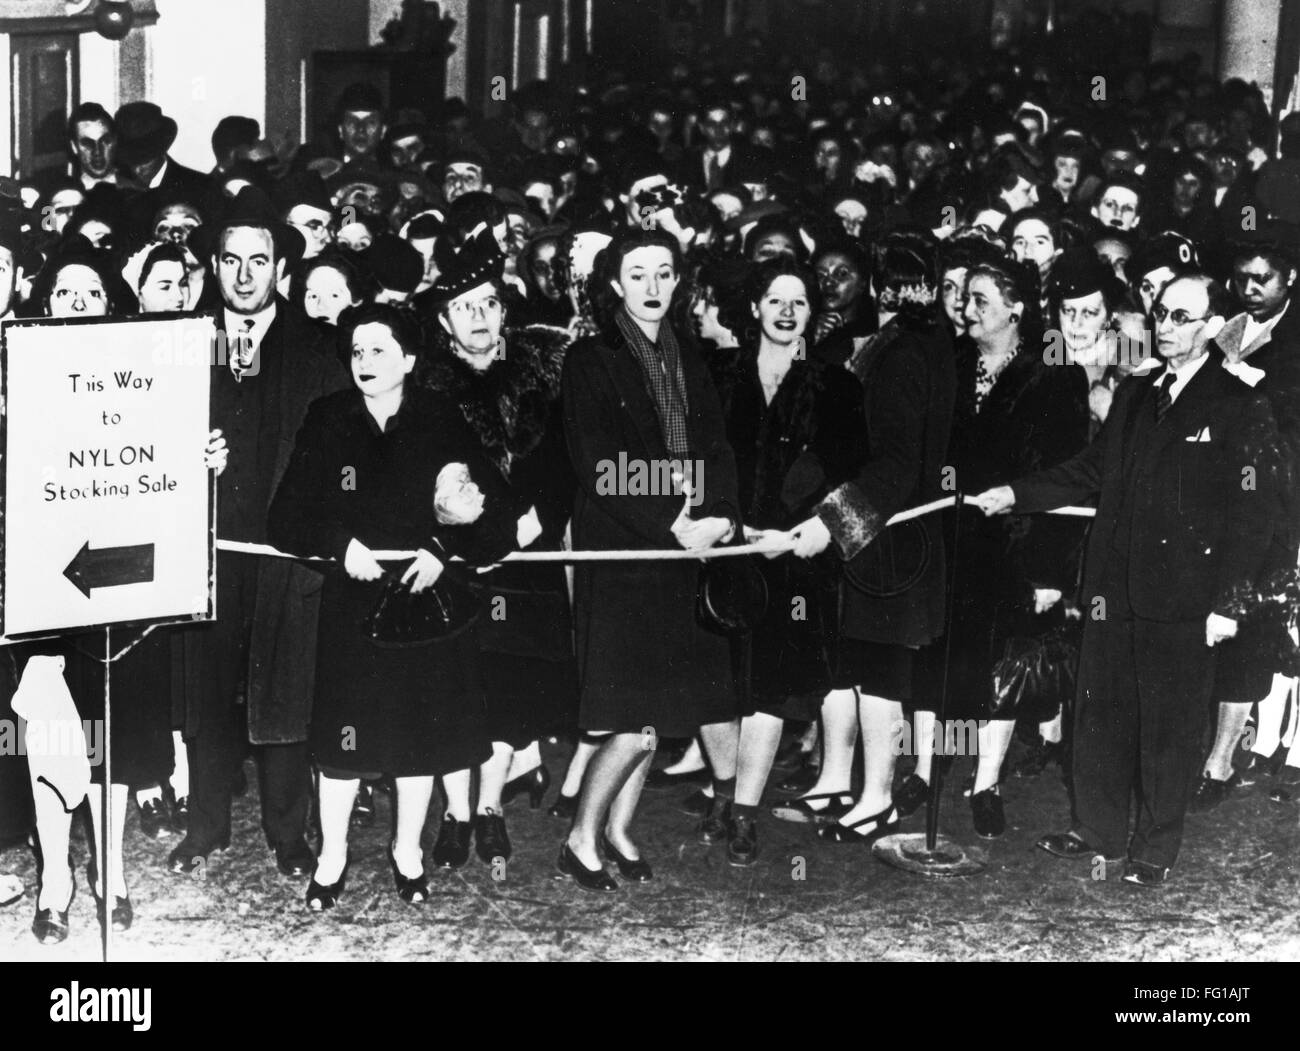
{"x":1080,"y":272}
{"x":301,"y":188}
{"x":143,"y":132}
{"x":251,"y":207}
{"x":478,"y":260}
{"x":395,"y":264}
{"x":1167,"y":249}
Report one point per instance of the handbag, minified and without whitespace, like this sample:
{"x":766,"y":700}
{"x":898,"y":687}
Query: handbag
{"x":731,"y":597}
{"x":1035,"y":675}
{"x":403,"y":619}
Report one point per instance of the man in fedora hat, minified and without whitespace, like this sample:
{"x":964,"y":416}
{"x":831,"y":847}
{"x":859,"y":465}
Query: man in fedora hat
{"x":268,"y":366}
{"x":144,"y":135}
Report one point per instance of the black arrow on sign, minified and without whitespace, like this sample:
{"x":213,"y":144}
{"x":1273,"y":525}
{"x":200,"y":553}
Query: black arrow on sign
{"x":109,"y":567}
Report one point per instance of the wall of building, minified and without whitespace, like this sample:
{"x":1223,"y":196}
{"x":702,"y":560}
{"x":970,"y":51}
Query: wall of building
{"x":204,"y":62}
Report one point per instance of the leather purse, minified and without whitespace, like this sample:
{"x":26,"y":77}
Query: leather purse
{"x":403,"y":619}
{"x":731,"y":599}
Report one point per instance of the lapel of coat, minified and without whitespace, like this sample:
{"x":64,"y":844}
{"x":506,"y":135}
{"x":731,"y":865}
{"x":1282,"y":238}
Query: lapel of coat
{"x":1185,"y":410}
{"x":635,"y":399}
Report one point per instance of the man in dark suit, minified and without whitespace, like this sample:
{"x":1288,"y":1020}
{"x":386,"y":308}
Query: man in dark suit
{"x":1267,"y":336}
{"x":714,"y":164}
{"x":1183,"y":470}
{"x":144,"y":135}
{"x":268,"y":366}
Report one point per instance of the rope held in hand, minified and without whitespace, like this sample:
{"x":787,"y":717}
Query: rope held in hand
{"x":670,"y":555}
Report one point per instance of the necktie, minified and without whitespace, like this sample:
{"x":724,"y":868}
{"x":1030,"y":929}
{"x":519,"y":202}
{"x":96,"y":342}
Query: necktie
{"x":1164,"y":400}
{"x":711,"y":170}
{"x":242,"y":359}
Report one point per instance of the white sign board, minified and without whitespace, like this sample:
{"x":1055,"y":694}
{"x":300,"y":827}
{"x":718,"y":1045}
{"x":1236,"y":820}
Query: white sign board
{"x":107,"y":514}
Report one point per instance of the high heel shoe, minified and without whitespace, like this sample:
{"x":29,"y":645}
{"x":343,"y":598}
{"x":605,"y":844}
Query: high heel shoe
{"x":597,"y":879}
{"x":322,"y":896}
{"x":122,"y":914}
{"x":50,"y":926}
{"x":413,"y":891}
{"x":535,"y":783}
{"x":838,"y":833}
{"x":490,"y":839}
{"x":635,"y":869}
{"x":565,"y":807}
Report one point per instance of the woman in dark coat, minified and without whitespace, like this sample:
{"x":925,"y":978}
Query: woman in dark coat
{"x":388,"y":466}
{"x":796,"y":425}
{"x":894,"y":594}
{"x":507,"y":386}
{"x":639,"y":405}
{"x":1014,"y":415}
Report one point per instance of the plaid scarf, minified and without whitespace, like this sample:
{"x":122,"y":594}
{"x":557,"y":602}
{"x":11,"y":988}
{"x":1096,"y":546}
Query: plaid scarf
{"x":661,"y":365}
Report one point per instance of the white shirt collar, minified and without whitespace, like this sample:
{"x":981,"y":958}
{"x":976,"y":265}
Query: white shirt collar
{"x":1182,"y":376}
{"x":89,"y":182}
{"x":1254,"y":329}
{"x":722,"y":156}
{"x":237,"y":326}
{"x":156,"y":181}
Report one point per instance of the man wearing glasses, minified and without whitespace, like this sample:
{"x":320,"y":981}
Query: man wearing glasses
{"x":1186,"y":506}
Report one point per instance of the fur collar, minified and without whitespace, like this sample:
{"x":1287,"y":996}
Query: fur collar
{"x":509,"y":404}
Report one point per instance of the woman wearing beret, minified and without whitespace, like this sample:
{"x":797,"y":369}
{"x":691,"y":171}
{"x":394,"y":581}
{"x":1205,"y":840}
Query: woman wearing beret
{"x":506,"y":383}
{"x":388,"y":465}
{"x":638,"y":396}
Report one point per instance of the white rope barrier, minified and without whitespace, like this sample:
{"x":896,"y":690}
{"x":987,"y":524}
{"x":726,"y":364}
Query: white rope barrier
{"x":631,"y":555}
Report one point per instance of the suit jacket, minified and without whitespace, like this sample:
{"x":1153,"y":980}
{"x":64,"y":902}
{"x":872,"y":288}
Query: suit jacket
{"x":282,"y":654}
{"x":1199,"y":531}
{"x":692,"y":166}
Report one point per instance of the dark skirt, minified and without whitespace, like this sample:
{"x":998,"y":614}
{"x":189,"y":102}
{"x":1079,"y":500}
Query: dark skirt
{"x":1244,"y":665}
{"x":879,"y":669}
{"x":403,"y":712}
{"x":17,"y":815}
{"x":527,"y":666}
{"x":792,"y":654}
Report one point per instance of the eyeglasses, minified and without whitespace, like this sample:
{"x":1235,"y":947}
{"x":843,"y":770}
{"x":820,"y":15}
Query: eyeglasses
{"x":316,"y":226}
{"x":486,"y":304}
{"x":1178,"y":317}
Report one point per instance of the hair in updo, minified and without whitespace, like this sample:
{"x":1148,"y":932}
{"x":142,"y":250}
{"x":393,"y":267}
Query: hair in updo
{"x":402,"y":322}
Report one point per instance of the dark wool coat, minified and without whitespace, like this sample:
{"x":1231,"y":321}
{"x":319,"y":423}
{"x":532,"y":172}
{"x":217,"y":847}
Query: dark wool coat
{"x":513,"y":407}
{"x":417,"y":710}
{"x":908,"y":379}
{"x":789,"y":455}
{"x":1035,"y":416}
{"x":643,"y":661}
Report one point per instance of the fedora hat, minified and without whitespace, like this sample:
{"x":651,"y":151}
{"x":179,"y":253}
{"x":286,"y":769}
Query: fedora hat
{"x":143,"y":132}
{"x":250,"y":207}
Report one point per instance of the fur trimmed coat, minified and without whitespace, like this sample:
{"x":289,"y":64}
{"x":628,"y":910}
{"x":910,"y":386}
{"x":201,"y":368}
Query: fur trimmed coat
{"x":790,"y":453}
{"x":909,"y":385}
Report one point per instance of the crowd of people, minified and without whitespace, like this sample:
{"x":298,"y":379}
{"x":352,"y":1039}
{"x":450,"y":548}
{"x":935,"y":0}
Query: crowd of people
{"x":803,"y":306}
